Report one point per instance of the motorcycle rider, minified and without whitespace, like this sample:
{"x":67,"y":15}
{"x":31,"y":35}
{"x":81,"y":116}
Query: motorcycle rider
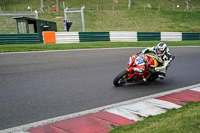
{"x":163,"y":56}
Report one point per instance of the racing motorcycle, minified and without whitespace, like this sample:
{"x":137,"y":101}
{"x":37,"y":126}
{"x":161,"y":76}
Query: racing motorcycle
{"x":138,"y":70}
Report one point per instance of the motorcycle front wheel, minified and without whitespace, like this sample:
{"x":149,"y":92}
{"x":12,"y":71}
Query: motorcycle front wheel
{"x":121,"y":78}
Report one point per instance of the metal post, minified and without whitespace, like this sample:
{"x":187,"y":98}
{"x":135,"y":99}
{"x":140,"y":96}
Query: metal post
{"x":129,"y":4}
{"x":36,"y":14}
{"x":63,"y":5}
{"x":82,"y":17}
{"x":65,"y":13}
{"x":80,"y":11}
{"x":65,"y":21}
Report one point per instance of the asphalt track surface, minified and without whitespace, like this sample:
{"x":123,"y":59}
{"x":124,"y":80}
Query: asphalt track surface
{"x":40,"y":85}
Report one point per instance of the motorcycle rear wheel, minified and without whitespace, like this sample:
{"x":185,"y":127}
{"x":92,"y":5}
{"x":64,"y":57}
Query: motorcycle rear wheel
{"x":121,"y":78}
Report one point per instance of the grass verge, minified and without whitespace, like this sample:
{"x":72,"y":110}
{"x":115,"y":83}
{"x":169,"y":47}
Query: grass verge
{"x":112,"y":15}
{"x":183,"y":120}
{"x":87,"y":45}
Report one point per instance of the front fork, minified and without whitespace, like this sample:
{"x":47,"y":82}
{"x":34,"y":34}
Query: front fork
{"x":132,"y":76}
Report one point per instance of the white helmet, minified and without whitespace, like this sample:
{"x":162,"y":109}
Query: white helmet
{"x":161,"y":49}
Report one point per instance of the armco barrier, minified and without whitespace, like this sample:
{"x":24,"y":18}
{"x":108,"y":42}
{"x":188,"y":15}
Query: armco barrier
{"x":171,"y":36}
{"x":190,"y":36}
{"x":67,"y":37}
{"x":123,"y":36}
{"x":113,"y":36}
{"x":94,"y":36}
{"x":20,"y":38}
{"x":148,"y":36}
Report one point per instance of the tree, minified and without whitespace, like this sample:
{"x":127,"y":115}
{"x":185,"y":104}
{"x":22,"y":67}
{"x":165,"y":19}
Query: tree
{"x":42,"y":5}
{"x":57,"y":5}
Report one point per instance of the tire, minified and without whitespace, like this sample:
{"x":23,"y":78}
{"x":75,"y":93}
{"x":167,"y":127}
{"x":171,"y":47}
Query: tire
{"x":121,"y":78}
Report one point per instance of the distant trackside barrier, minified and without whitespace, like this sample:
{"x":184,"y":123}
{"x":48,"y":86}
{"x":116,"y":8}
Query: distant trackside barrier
{"x":67,"y":37}
{"x":171,"y":36}
{"x":124,"y":36}
{"x":112,"y":36}
{"x":94,"y":36}
{"x":148,"y":36}
{"x":20,"y":38}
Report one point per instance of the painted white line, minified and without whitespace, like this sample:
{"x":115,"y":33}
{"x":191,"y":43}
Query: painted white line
{"x":21,"y":132}
{"x":196,"y":89}
{"x":56,"y":119}
{"x":73,"y":50}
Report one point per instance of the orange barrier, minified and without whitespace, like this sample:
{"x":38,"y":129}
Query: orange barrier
{"x":49,"y":36}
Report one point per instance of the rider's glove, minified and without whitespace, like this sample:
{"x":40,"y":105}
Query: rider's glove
{"x":139,"y":53}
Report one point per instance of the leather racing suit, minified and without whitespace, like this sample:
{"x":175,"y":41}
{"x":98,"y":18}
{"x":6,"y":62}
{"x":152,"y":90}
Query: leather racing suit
{"x":164,"y":60}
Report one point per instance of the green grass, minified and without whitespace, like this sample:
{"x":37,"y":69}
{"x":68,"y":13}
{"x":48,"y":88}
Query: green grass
{"x":183,"y":120}
{"x":107,"y":15}
{"x":86,"y":45}
{"x":135,"y":20}
{"x":20,"y":5}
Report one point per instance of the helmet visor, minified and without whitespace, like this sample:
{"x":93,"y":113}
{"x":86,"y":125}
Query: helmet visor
{"x":159,"y":51}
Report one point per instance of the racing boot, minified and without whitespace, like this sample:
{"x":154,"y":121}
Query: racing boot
{"x":161,"y":75}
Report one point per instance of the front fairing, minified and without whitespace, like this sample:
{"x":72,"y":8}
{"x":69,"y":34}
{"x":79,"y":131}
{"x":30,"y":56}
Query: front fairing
{"x":136,"y":62}
{"x":152,"y":62}
{"x":131,"y":63}
{"x":137,"y":69}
